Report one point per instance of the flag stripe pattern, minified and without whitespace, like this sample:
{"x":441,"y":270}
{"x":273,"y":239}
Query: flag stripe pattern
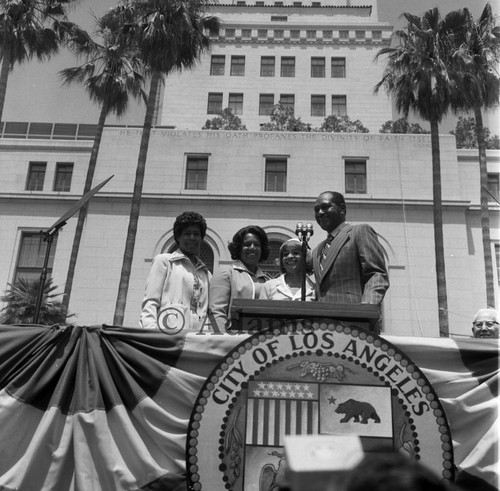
{"x":107,"y":408}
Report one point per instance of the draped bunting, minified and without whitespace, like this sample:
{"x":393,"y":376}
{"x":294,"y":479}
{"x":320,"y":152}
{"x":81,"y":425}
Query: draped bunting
{"x":107,"y":408}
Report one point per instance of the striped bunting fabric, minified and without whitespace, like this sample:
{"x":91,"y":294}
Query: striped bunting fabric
{"x":104,"y":408}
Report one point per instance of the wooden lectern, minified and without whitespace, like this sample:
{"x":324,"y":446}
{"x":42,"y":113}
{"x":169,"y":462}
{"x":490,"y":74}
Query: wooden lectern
{"x":260,"y":315}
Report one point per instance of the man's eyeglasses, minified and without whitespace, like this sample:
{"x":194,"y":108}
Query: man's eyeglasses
{"x":487,"y":324}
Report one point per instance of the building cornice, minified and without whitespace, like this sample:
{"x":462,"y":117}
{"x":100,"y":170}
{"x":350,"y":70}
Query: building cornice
{"x":52,"y":146}
{"x":257,"y":199}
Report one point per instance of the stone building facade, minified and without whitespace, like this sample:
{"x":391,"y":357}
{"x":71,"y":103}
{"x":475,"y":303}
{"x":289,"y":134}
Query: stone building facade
{"x":316,"y":57}
{"x":386,"y":179}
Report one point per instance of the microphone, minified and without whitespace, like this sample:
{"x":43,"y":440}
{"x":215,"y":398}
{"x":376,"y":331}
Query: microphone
{"x":309,"y":230}
{"x":299,"y":230}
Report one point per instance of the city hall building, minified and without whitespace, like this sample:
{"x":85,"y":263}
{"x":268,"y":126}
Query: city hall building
{"x":316,"y":57}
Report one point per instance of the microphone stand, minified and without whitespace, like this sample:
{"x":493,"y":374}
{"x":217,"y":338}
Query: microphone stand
{"x":304,"y":233}
{"x":49,"y":234}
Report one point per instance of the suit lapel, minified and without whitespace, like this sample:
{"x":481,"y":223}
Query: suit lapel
{"x":317,"y":260}
{"x":337,"y":244}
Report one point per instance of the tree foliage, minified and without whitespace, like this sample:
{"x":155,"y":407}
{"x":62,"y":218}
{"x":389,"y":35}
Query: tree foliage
{"x":21,"y":297}
{"x":226,"y":120}
{"x":111,"y":72}
{"x":282,"y":118}
{"x":30,"y":29}
{"x":466,"y":135}
{"x":475,"y":62}
{"x":170,"y":36}
{"x":342,"y":124}
{"x":419,"y":77}
{"x":402,"y":125}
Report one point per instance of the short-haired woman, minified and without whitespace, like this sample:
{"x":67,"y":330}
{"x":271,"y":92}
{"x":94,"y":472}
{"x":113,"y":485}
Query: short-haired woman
{"x":177,"y":287}
{"x":288,"y":286}
{"x":243,"y":278}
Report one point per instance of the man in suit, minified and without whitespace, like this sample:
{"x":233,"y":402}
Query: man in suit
{"x":349,"y":266}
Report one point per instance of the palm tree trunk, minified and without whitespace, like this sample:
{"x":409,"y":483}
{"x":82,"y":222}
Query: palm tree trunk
{"x":128,"y":255}
{"x":485,"y":217}
{"x":438,"y":231}
{"x":83,"y":210}
{"x":4,"y":77}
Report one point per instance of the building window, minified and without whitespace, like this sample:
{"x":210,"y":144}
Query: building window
{"x":196,"y":172}
{"x":316,"y":4}
{"x":288,"y":101}
{"x":214,"y":102}
{"x":288,"y":66}
{"x":267,"y":66}
{"x":230,"y":33}
{"x":297,"y":4}
{"x":217,"y":65}
{"x":236,"y":103}
{"x":493,"y":188}
{"x":339,"y":105}
{"x":295,"y":34}
{"x":237,"y":66}
{"x":262,"y":33}
{"x":266,"y":104}
{"x":246,"y":33}
{"x":360,"y":34}
{"x":376,"y":34}
{"x":31,"y":257}
{"x":311,"y":34}
{"x":36,"y":176}
{"x":259,"y":3}
{"x":276,"y":174}
{"x":317,"y":67}
{"x":338,"y":67}
{"x":278,"y":33}
{"x":343,"y":34}
{"x":62,"y":179}
{"x":327,"y":34}
{"x":317,"y":105}
{"x":355,"y":176}
{"x":271,"y":265}
{"x":278,"y":4}
{"x":279,"y":18}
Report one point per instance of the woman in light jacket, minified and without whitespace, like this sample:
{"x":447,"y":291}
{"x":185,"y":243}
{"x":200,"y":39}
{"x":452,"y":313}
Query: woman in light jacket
{"x":288,"y":286}
{"x":243,"y":278}
{"x":176,"y":296}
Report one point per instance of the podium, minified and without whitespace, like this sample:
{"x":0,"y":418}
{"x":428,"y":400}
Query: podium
{"x":260,"y":315}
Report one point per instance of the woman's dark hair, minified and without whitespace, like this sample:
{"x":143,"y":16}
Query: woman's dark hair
{"x":236,"y":244}
{"x":295,"y":244}
{"x":389,"y":471}
{"x":188,"y":219}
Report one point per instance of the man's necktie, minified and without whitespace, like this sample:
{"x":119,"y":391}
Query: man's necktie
{"x":326,"y":248}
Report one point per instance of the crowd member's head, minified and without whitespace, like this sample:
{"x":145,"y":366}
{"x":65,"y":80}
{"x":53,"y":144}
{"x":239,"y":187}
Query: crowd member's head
{"x":486,"y":323}
{"x":250,"y":245}
{"x":330,"y":210}
{"x":189,"y":231}
{"x":392,"y":471}
{"x":291,"y":257}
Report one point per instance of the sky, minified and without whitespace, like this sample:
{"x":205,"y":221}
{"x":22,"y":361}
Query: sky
{"x":35,"y":92}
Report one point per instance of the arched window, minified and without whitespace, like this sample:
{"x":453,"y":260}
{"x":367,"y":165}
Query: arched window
{"x":206,"y":254}
{"x":272,"y":265}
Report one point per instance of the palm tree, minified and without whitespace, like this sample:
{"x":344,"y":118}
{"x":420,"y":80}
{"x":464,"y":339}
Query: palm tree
{"x":20,"y":299}
{"x":417,"y":75}
{"x":28,"y":29}
{"x":170,"y":36}
{"x":111,"y":72}
{"x":475,"y":61}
